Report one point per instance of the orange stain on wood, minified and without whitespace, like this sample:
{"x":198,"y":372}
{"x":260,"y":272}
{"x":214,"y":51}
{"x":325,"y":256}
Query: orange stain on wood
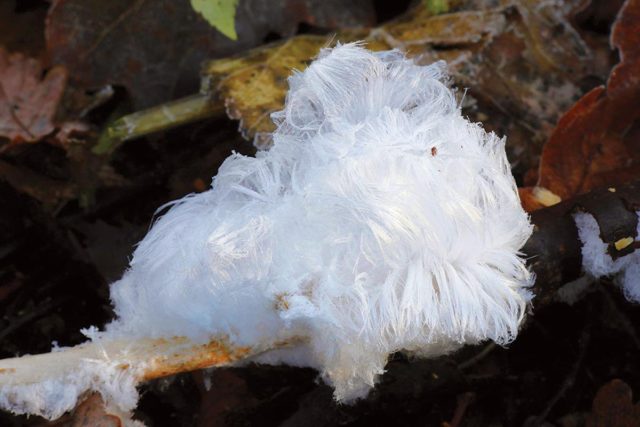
{"x":214,"y":353}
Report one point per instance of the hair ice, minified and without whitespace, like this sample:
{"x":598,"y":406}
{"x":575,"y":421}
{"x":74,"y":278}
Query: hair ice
{"x":597,"y":262}
{"x":381,"y":220}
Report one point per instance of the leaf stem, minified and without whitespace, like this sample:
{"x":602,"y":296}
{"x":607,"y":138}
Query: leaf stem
{"x":155,"y":119}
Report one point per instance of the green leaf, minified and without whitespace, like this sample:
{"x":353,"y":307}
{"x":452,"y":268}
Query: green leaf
{"x":219,"y":13}
{"x":437,"y":6}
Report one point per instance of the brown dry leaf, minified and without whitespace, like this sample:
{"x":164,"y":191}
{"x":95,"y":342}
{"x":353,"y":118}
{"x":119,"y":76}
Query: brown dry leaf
{"x":596,"y":143}
{"x":155,"y":48}
{"x":28,"y":101}
{"x":91,"y":413}
{"x":613,"y":407}
{"x":509,"y":56}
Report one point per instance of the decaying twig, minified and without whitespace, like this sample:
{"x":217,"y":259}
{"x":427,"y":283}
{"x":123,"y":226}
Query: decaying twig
{"x":554,"y":249}
{"x":155,"y":119}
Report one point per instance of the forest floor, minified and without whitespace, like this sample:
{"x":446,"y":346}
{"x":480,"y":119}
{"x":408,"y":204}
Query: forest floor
{"x":69,"y":220}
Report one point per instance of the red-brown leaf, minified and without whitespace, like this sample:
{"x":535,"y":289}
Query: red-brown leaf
{"x":28,"y":101}
{"x":613,"y":407}
{"x":597,"y":142}
{"x":91,"y":413}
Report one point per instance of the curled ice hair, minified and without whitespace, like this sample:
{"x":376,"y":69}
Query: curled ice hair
{"x":381,"y":220}
{"x":597,"y":262}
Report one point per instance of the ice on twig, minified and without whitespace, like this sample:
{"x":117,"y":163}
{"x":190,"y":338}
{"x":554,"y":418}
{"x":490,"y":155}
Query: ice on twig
{"x":381,"y":220}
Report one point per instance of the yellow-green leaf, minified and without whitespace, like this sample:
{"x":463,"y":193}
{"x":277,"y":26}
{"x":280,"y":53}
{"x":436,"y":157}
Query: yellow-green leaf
{"x":510,"y":58}
{"x":437,"y":6}
{"x":220,"y":14}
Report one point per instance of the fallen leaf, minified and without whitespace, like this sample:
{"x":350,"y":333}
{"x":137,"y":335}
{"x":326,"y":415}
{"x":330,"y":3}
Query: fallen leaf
{"x":28,"y":101}
{"x":509,"y":56}
{"x":437,"y":6}
{"x":91,"y":413}
{"x":613,"y":407}
{"x":220,"y":14}
{"x":254,"y":85}
{"x":155,"y":48}
{"x":596,"y":144}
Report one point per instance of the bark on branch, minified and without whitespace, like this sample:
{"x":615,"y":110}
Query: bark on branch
{"x":554,"y":249}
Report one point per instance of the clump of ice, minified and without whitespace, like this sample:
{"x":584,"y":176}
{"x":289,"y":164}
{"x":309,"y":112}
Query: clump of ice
{"x":597,"y":262}
{"x":381,"y":220}
{"x":55,"y":396}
